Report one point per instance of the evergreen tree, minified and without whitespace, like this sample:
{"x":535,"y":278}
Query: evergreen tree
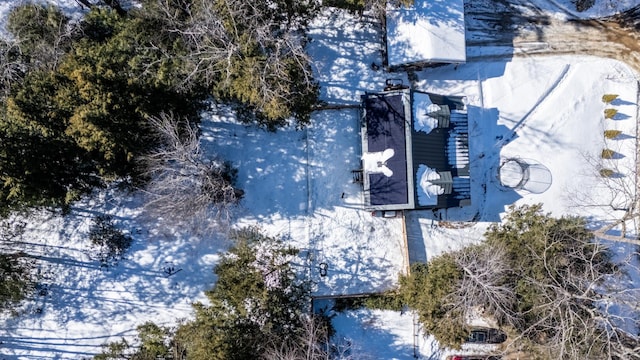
{"x":542,"y":276}
{"x":67,"y":128}
{"x":15,"y":283}
{"x":257,"y":298}
{"x":39,"y":163}
{"x":427,"y":289}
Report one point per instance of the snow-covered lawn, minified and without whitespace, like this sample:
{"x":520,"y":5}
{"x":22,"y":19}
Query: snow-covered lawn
{"x":82,"y":305}
{"x":298,"y":185}
{"x":548,"y":112}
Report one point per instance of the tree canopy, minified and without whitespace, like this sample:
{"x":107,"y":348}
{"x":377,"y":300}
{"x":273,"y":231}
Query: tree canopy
{"x":257,"y":299}
{"x":73,"y":120}
{"x":77,"y":95}
{"x":258,"y":306}
{"x":545,"y":278}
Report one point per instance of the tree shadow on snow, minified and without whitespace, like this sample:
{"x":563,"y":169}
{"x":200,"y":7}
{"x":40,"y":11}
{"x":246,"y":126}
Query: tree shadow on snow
{"x":620,"y":102}
{"x":272,"y":166}
{"x":620,"y":116}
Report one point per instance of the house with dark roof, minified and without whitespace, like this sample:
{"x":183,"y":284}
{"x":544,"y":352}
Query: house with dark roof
{"x":415,"y":151}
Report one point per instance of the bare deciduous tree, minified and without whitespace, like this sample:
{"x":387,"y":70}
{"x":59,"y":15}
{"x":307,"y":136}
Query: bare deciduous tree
{"x":12,"y":67}
{"x":185,"y":185}
{"x":617,"y":186}
{"x":557,"y":286}
{"x":41,"y":35}
{"x":579,"y":313}
{"x":249,"y":51}
{"x":484,"y":283}
{"x":313,"y":343}
{"x":573,"y":300}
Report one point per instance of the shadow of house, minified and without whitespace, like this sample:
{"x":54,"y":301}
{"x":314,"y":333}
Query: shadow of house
{"x":415,"y":151}
{"x":489,"y":199}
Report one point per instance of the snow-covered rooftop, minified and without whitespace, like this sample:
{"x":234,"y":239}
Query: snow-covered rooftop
{"x":430,"y":31}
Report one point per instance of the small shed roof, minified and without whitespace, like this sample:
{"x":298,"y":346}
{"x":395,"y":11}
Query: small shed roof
{"x":430,"y":31}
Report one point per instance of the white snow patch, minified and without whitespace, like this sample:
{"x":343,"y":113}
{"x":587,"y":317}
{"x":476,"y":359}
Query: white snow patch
{"x":427,"y":191}
{"x":376,"y":162}
{"x":422,"y":107}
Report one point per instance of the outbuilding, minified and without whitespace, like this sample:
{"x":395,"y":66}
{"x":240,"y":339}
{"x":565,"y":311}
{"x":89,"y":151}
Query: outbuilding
{"x":427,"y":33}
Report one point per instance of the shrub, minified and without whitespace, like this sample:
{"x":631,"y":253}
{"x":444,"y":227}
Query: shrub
{"x":607,"y":154}
{"x":110,"y":242}
{"x":610,"y":113}
{"x":115,"y":350}
{"x":608,"y":98}
{"x":386,"y":301}
{"x":15,"y":282}
{"x":606,"y":172}
{"x":152,"y":342}
{"x":39,"y":30}
{"x":612,"y":134}
{"x":583,"y":5}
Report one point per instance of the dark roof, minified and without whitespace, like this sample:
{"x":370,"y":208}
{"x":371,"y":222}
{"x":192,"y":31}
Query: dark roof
{"x":386,"y":129}
{"x":388,"y":124}
{"x":445,"y":148}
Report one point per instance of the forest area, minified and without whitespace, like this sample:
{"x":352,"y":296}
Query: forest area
{"x":116,"y":97}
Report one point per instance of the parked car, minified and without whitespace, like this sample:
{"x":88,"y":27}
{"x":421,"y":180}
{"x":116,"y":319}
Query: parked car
{"x":473,"y":357}
{"x":486,"y":336}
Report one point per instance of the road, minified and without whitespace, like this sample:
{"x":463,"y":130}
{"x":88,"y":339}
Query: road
{"x":517,"y":24}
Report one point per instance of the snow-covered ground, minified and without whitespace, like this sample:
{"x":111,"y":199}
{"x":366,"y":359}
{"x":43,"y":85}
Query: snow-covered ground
{"x":600,"y":8}
{"x":298,"y":185}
